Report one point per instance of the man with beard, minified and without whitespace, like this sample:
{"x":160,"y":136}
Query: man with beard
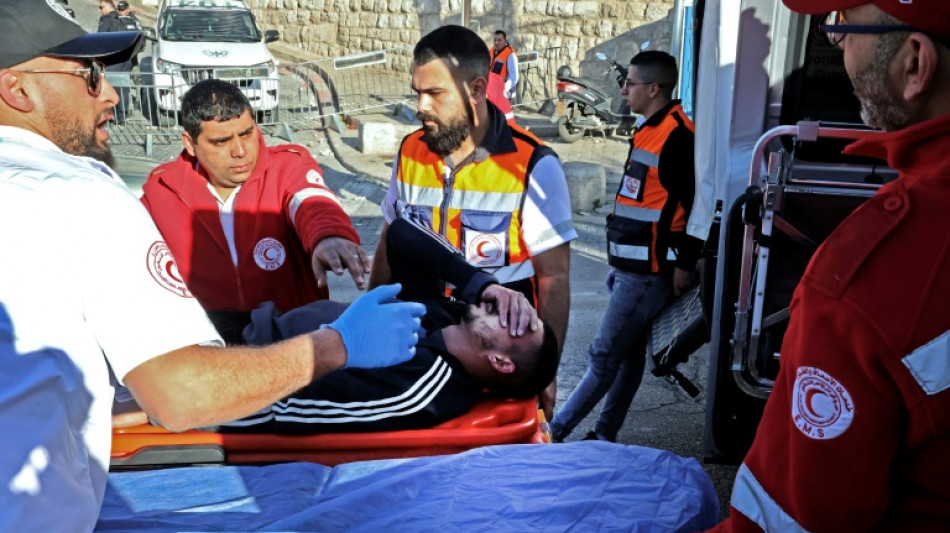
{"x":88,"y":290}
{"x":492,"y":189}
{"x":856,"y":433}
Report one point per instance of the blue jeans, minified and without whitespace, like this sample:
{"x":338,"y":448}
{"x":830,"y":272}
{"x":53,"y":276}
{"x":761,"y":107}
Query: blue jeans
{"x":617,"y":355}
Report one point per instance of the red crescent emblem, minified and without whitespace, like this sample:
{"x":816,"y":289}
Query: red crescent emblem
{"x":809,"y":398}
{"x":161,"y":265}
{"x":172,"y":271}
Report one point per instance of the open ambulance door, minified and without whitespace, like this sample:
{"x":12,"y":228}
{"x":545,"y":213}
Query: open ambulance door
{"x":774,"y":108}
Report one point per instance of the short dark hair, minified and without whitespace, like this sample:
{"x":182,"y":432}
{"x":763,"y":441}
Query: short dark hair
{"x":534,"y":370}
{"x":658,"y":67}
{"x":461,"y":46}
{"x":502,"y":33}
{"x":212,"y":100}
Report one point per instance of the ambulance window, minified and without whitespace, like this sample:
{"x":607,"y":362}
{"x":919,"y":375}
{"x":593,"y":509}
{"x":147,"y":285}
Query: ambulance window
{"x":819,"y":89}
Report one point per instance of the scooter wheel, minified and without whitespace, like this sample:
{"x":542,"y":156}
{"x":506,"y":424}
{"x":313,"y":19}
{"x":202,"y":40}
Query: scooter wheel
{"x":568,"y":131}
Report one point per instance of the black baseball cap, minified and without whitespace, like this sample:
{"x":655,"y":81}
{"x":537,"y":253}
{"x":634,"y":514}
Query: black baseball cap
{"x":30,"y":28}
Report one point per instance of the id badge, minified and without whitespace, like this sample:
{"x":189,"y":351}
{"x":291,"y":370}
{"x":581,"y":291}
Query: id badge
{"x":634,"y":177}
{"x":486,"y":249}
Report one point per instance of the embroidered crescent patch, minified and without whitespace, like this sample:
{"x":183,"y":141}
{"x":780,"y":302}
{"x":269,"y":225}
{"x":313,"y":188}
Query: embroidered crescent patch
{"x":486,"y":249}
{"x":269,"y":254}
{"x":821,"y":407}
{"x":162,"y":267}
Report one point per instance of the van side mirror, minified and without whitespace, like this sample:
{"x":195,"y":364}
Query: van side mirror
{"x":149,"y":33}
{"x":271,"y":36}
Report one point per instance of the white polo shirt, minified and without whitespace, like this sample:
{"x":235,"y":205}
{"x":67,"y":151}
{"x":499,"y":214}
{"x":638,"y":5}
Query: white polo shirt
{"x":85,"y":282}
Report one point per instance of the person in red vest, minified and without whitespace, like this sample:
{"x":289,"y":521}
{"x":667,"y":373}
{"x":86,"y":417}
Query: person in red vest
{"x":503,"y":77}
{"x":651,"y":254}
{"x":855,"y":435}
{"x":247,"y":223}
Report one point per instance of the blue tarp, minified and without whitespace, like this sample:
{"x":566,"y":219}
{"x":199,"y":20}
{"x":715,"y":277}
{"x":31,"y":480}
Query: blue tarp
{"x":579,"y":487}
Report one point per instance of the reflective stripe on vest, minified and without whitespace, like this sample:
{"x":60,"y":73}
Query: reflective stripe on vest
{"x":640,"y":201}
{"x":478,"y":209}
{"x":647,"y":158}
{"x":636,"y":253}
{"x":465,"y":200}
{"x":928,"y":365}
{"x":637,"y":213}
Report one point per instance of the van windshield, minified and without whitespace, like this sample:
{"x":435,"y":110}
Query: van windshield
{"x":208,"y":25}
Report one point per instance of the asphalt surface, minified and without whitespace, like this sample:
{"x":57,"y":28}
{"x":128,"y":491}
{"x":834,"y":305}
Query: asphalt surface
{"x":662,"y":415}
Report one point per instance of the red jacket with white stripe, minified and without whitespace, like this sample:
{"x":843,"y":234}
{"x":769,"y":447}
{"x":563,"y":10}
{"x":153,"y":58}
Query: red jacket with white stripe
{"x":280,"y":214}
{"x":856,"y":434}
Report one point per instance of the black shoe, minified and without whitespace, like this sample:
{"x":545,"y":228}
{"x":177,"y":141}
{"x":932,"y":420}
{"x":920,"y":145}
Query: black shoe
{"x":591,"y":435}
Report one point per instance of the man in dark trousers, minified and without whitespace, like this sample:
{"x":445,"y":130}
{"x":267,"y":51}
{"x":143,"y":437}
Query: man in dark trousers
{"x":651,"y":254}
{"x":109,"y":21}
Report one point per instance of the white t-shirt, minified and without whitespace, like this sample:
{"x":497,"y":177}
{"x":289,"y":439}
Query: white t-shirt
{"x":85,"y":281}
{"x":546,"y":216}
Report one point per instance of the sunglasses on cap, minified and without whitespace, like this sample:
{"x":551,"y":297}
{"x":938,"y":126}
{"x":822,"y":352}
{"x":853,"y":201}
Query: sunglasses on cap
{"x":93,"y":74}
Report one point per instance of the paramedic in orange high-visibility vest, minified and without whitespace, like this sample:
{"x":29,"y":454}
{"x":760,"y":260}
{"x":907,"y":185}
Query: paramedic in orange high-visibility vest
{"x":652,"y":256}
{"x":503,"y":77}
{"x":495,"y":191}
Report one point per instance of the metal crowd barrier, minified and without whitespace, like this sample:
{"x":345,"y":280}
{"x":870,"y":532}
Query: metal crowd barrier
{"x":537,"y":77}
{"x":297,"y":96}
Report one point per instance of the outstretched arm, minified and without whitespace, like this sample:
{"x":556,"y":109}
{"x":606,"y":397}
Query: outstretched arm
{"x":199,"y":386}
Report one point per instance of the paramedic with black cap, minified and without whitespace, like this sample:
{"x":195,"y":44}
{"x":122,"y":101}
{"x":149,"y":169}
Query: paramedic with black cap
{"x":87,"y":286}
{"x":856,"y":433}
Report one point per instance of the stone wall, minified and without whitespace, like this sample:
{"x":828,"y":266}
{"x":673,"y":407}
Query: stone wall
{"x":570,"y":30}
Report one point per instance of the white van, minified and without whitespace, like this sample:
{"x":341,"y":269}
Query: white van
{"x":201,"y":39}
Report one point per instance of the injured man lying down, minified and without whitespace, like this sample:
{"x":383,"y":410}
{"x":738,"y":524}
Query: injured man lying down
{"x":463,"y":349}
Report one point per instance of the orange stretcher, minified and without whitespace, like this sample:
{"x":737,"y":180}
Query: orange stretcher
{"x":491,"y":421}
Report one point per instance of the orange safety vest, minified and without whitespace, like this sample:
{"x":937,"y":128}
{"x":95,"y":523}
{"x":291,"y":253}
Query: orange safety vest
{"x":478,"y":208}
{"x":499,"y":66}
{"x":640,"y":228}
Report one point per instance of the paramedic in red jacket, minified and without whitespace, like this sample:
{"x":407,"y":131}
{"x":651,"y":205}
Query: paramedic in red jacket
{"x":856,"y":434}
{"x":248,"y":223}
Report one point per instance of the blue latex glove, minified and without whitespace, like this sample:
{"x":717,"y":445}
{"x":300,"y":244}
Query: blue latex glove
{"x":609,"y":282}
{"x":376,"y":333}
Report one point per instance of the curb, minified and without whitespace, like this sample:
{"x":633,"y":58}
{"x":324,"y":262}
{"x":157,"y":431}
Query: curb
{"x":337,"y":146}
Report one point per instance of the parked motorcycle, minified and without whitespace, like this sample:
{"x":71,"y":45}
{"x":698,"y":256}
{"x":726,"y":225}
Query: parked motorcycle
{"x":583,"y":106}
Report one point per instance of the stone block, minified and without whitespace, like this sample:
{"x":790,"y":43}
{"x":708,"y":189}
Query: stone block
{"x":586,"y":183}
{"x":383,"y":138}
